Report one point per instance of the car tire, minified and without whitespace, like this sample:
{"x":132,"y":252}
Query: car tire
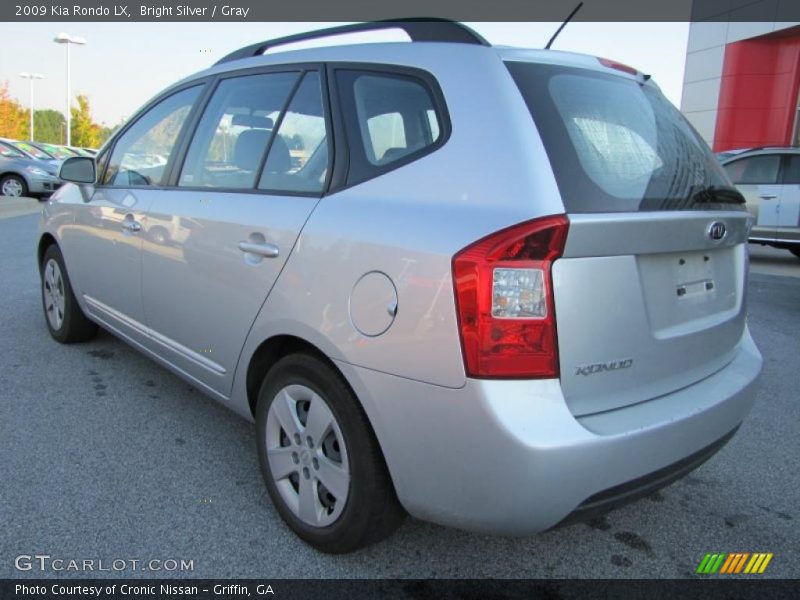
{"x":63,"y":315}
{"x":361,"y":506}
{"x":14,"y":186}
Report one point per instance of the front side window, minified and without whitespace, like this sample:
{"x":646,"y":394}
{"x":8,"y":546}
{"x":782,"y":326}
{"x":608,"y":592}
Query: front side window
{"x":228,"y":148}
{"x":392,"y":116}
{"x":754,"y":169}
{"x":141,"y":154}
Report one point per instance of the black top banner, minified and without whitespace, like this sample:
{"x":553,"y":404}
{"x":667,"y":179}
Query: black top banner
{"x":366,"y":10}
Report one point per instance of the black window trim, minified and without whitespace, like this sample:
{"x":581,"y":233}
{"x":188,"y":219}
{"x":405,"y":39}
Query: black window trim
{"x":342,"y":179}
{"x":778,"y":176}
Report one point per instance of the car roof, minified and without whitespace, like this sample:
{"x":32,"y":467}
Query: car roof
{"x":760,"y":151}
{"x":406,"y":54}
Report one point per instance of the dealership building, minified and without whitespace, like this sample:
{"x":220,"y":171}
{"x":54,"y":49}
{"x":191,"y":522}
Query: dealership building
{"x":740,"y":87}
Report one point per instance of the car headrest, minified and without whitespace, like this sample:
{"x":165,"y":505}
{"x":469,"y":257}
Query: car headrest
{"x":249,"y":147}
{"x":279,"y":161}
{"x":253,"y":121}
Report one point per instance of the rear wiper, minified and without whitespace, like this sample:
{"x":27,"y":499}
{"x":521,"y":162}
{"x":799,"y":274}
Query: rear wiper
{"x":718,"y":193}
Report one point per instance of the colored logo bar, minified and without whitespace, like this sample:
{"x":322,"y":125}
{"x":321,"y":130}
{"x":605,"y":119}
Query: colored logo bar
{"x":734,"y":562}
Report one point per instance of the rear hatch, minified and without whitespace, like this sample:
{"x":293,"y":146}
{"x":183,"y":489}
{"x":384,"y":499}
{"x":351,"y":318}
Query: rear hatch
{"x":649,"y":292}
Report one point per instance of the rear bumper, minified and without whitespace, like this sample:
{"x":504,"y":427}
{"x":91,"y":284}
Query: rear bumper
{"x":508,"y":456}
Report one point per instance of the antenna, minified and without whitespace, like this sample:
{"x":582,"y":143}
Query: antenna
{"x":564,"y":24}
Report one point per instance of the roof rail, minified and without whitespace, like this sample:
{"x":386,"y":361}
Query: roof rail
{"x":419,"y":30}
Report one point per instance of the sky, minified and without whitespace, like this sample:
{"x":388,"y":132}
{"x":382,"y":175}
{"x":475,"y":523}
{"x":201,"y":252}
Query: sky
{"x":125,"y":64}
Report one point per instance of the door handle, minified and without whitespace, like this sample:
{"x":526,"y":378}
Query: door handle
{"x":768,"y":196}
{"x":131,"y":225}
{"x":266,"y":249}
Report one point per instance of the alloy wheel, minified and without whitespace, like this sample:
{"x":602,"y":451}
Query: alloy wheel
{"x":307,"y":455}
{"x":12,"y":187}
{"x":53,"y":289}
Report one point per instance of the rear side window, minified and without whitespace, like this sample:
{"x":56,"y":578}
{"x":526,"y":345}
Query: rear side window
{"x":233,"y":135}
{"x":141,"y":154}
{"x":298,"y":153}
{"x":391,"y":119}
{"x":754,"y":169}
{"x":615,"y":144}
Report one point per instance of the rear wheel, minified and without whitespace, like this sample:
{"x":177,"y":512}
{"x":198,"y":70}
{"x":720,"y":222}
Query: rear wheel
{"x":320,"y":460}
{"x":13,"y":185}
{"x":65,"y":319}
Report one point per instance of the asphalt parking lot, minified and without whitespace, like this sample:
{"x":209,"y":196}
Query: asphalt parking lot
{"x":106,"y":455}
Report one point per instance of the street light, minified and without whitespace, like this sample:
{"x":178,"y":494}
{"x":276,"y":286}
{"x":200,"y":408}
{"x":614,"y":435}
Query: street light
{"x":64,"y":38}
{"x":31,"y":77}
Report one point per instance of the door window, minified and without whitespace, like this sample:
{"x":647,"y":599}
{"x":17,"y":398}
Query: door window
{"x":228,"y":147}
{"x":792,"y":172}
{"x":298,"y":156}
{"x":141,"y":154}
{"x":754,"y":169}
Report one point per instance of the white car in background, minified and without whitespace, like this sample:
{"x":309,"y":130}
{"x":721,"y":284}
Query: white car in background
{"x":769,"y":179}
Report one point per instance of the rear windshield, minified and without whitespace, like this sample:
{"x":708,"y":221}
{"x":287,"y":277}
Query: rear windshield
{"x":616,"y":144}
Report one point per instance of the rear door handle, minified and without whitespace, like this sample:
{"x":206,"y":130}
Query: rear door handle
{"x":266,"y":249}
{"x":768,"y":196}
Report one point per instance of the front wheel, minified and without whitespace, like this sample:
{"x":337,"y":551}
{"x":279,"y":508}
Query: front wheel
{"x":65,"y":319}
{"x":320,"y":460}
{"x":13,"y":185}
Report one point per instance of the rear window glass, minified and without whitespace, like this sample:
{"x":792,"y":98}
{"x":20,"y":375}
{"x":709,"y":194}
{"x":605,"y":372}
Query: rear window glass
{"x":615,"y":144}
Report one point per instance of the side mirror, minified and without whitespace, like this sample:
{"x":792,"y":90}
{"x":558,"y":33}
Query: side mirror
{"x":78,"y":169}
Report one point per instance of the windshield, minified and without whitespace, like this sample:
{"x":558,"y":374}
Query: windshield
{"x":10,"y":152}
{"x":616,"y":144}
{"x":58,"y":151}
{"x":34,"y":151}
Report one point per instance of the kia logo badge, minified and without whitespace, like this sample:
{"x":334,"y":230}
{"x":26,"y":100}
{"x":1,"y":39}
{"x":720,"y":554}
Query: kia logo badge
{"x":717,"y":231}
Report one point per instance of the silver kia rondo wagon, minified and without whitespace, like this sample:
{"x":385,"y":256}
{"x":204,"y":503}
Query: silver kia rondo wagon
{"x":497,"y":289}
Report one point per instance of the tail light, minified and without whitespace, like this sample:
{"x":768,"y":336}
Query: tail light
{"x":504,"y":299}
{"x":613,"y":64}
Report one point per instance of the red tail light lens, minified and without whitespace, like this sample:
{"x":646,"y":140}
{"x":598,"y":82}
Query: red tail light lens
{"x":504,"y":298}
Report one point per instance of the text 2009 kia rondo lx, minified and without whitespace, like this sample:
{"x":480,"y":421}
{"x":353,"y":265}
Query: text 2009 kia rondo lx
{"x":494,"y":288}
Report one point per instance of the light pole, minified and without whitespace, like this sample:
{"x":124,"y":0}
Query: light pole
{"x":31,"y":77}
{"x":64,"y":38}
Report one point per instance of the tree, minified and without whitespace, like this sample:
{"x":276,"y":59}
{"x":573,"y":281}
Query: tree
{"x":48,"y":126}
{"x":85,"y":132}
{"x":13,"y":121}
{"x":106,"y":132}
